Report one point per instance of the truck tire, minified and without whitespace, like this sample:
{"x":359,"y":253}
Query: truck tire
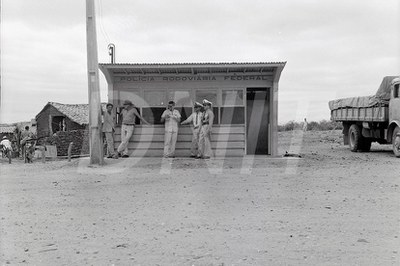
{"x":355,"y":138}
{"x":396,"y":142}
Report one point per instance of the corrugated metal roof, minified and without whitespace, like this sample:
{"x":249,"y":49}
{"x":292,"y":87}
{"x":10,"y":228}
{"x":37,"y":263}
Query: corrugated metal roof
{"x":78,"y":113}
{"x":197,"y":64}
{"x":190,"y":68}
{"x":7,"y":128}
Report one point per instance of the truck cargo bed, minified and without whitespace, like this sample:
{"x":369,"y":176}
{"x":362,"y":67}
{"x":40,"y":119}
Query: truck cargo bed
{"x":365,"y":114}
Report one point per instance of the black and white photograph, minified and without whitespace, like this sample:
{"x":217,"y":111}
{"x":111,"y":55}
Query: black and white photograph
{"x":199,"y":133}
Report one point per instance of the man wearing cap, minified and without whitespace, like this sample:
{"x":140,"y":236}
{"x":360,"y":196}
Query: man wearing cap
{"x":129,"y":114}
{"x":171,"y":117}
{"x":109,"y":129}
{"x":195,"y":120}
{"x":205,"y":151}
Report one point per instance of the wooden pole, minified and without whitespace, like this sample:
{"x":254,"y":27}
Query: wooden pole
{"x":43,"y":153}
{"x":70,"y":151}
{"x":95,"y":141}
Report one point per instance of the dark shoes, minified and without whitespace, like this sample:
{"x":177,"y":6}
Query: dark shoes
{"x":125,"y":156}
{"x":203,"y":157}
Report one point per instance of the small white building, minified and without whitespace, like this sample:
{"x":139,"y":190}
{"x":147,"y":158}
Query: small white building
{"x":244,"y":97}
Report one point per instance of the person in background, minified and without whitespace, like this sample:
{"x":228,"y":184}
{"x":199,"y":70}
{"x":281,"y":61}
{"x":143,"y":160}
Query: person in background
{"x":195,"y":121}
{"x":205,"y":151}
{"x":6,"y":148}
{"x":108,"y":129}
{"x":305,"y":125}
{"x":129,"y":114}
{"x":25,"y":136}
{"x":171,"y":117}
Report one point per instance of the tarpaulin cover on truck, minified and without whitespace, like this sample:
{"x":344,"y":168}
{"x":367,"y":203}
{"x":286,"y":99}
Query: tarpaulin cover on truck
{"x":383,"y":92}
{"x":382,"y":97}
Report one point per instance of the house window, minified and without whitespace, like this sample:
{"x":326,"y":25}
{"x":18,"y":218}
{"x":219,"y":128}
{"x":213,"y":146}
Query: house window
{"x":232,"y":97}
{"x":156,"y":103}
{"x":232,"y":109}
{"x":58,"y":124}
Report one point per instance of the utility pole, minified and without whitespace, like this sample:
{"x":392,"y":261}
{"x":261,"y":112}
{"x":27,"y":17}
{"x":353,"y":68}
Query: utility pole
{"x":95,"y":140}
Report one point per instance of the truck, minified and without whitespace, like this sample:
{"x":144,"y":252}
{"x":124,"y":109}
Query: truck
{"x":368,"y":119}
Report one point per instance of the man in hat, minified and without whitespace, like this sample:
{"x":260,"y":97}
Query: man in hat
{"x":205,"y":151}
{"x":108,"y":129}
{"x":6,"y":147}
{"x":129,"y":114}
{"x":195,"y":121}
{"x":171,"y":117}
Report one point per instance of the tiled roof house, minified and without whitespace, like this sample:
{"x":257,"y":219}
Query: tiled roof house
{"x":56,"y":117}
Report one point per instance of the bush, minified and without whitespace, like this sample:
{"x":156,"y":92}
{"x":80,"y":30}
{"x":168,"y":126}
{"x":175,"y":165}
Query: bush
{"x":322,"y":125}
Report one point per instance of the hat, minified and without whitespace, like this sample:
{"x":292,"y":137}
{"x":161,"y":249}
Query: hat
{"x":206,"y":102}
{"x":109,"y":104}
{"x":395,"y":81}
{"x":4,"y":137}
{"x":127,"y":102}
{"x":197,"y":104}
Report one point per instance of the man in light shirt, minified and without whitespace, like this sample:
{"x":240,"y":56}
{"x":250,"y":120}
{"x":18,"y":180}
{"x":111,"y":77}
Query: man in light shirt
{"x":195,"y":121}
{"x":205,"y":151}
{"x":6,"y":147}
{"x":129,"y":114}
{"x":171,"y":117}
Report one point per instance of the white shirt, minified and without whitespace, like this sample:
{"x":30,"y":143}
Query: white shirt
{"x":171,"y":122}
{"x":6,"y":143}
{"x":195,"y":118}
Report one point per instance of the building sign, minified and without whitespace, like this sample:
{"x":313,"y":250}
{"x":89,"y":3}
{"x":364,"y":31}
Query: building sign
{"x":192,"y":78}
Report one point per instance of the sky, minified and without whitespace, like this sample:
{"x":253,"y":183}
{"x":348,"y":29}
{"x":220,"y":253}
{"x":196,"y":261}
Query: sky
{"x":333,"y":48}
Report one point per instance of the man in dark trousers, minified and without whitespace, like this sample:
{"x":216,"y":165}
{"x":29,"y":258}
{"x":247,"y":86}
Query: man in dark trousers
{"x":108,"y":129}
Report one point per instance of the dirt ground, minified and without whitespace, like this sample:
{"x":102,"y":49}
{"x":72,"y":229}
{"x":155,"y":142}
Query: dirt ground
{"x":329,"y":207}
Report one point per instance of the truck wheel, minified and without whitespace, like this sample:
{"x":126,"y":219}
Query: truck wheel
{"x":354,"y":137}
{"x":396,"y":142}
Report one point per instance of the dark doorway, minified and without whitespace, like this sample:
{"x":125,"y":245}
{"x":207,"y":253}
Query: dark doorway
{"x":257,"y":120}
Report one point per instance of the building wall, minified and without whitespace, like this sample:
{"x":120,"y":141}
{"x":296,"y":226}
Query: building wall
{"x":80,"y":139}
{"x":228,"y":139}
{"x":43,"y":121}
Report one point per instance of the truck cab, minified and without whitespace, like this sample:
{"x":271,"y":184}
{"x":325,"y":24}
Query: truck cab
{"x":394,"y":117}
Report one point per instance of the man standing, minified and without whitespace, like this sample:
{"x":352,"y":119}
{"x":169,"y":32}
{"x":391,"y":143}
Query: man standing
{"x":109,"y":129}
{"x":205,"y":151}
{"x":305,"y":125}
{"x":25,"y":136}
{"x":129,"y":114}
{"x":171,"y":117}
{"x":195,"y":119}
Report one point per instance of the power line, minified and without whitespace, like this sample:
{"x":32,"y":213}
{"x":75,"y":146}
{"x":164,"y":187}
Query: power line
{"x":102,"y":29}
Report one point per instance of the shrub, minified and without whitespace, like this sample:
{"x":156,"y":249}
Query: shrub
{"x":322,"y":125}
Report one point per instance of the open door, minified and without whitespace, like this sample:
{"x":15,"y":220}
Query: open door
{"x":258,"y":108}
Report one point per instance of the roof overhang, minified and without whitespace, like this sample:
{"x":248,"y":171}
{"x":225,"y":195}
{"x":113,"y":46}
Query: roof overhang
{"x":113,"y":70}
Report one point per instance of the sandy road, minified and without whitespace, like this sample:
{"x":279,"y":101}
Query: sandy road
{"x":331,"y":207}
